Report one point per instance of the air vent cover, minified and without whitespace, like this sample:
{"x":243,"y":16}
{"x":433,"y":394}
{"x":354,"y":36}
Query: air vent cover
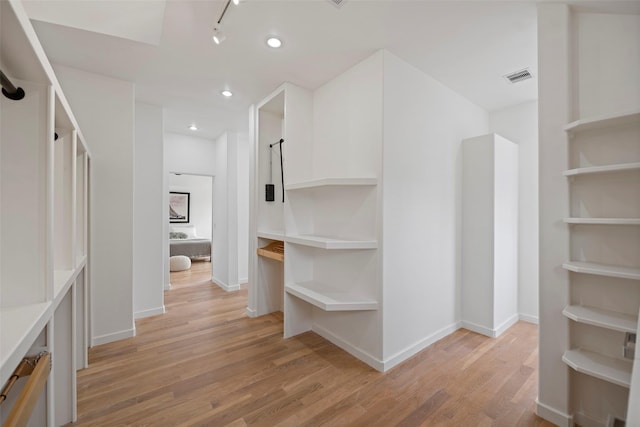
{"x":519,"y":76}
{"x":337,"y":3}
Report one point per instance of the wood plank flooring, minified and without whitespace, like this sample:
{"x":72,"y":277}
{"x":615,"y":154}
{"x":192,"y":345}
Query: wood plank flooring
{"x":204,"y":363}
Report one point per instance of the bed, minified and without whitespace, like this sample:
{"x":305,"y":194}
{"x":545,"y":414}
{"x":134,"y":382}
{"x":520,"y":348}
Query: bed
{"x":184,"y":241}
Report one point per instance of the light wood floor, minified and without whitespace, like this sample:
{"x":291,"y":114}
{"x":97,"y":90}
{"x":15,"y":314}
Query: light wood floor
{"x":204,"y":363}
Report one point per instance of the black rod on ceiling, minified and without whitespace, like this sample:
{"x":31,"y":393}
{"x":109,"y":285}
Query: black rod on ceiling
{"x":9,"y":90}
{"x":226,"y":6}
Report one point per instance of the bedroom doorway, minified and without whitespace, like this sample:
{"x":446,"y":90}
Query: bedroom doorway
{"x":190,"y":220}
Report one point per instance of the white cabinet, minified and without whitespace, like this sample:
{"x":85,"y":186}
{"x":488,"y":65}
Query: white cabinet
{"x":604,"y":283}
{"x":489,"y":234}
{"x":44,"y":172}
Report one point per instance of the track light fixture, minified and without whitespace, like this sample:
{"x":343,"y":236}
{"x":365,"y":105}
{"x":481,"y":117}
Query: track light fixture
{"x":218,"y":35}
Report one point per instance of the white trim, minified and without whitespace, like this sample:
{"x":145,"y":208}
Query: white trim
{"x":356,"y":352}
{"x":251,"y":312}
{"x":492,"y":333}
{"x":167,"y":287}
{"x":148,"y":313}
{"x":243,"y":281}
{"x":584,"y":420}
{"x":553,"y":415}
{"x":506,"y":325}
{"x":473,"y":327}
{"x":417,"y":347}
{"x":116,"y":336}
{"x":224,"y":286}
{"x":529,"y":318}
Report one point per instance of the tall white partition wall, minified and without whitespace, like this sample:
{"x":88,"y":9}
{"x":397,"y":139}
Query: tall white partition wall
{"x":489,"y":234}
{"x":43,"y":232}
{"x":335,"y":211}
{"x":589,"y":213}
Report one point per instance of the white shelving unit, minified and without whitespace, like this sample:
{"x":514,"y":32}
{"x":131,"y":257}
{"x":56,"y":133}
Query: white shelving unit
{"x":610,"y":120}
{"x":604,"y":253}
{"x":602,"y":270}
{"x":44,"y":171}
{"x":603,"y":221}
{"x":330,"y":242}
{"x":603,"y":318}
{"x":331,"y":182}
{"x":615,"y":371}
{"x":328,"y":278}
{"x":329,"y":299}
{"x":622,"y":167}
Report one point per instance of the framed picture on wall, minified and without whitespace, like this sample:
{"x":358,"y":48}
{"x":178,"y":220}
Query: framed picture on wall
{"x":179,"y":207}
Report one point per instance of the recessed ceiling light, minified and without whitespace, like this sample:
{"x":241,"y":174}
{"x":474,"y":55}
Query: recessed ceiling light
{"x":237,"y":2}
{"x":274,"y":42}
{"x":193,"y":127}
{"x":227,"y":93}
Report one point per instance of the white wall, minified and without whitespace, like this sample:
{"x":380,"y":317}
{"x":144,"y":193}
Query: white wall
{"x":200,"y":189}
{"x":519,"y":124}
{"x":148,"y":220}
{"x":424,"y":125}
{"x":505,"y":265}
{"x":219,"y":248}
{"x":608,"y":62}
{"x":188,"y":154}
{"x":243,"y":207}
{"x":104,"y":108}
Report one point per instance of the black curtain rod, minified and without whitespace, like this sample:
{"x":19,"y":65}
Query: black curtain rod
{"x":9,"y":90}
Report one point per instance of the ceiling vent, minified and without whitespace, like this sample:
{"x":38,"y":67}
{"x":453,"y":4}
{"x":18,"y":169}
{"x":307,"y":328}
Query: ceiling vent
{"x":519,"y":76}
{"x":337,"y":3}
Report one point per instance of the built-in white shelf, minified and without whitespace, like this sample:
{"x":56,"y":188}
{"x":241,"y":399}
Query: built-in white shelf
{"x":328,"y":298}
{"x":330,"y":242}
{"x":616,"y":371}
{"x":603,"y":221}
{"x":273,"y":235}
{"x":603,"y":121}
{"x":335,"y":182}
{"x":603,"y":169}
{"x":81,"y":261}
{"x":19,"y":328}
{"x":603,"y":318}
{"x":603,"y":270}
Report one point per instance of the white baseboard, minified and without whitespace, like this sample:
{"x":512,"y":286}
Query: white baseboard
{"x":356,"y":352}
{"x":529,"y":318}
{"x":243,"y":280}
{"x":148,"y":313}
{"x":251,"y":312}
{"x":413,"y":349}
{"x":473,"y":327}
{"x":116,"y":336}
{"x":506,"y":325}
{"x":167,"y":287}
{"x":584,"y":420}
{"x":553,"y":415}
{"x":224,"y":285}
{"x":493,"y":333}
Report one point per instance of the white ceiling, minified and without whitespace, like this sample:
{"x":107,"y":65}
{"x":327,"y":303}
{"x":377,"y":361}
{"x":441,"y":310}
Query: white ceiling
{"x":468,"y":46}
